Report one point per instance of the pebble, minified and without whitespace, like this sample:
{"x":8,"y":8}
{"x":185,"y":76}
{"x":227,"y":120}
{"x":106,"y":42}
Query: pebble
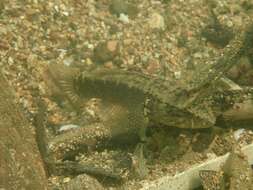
{"x":238,"y":133}
{"x":156,"y":21}
{"x":68,"y":61}
{"x":177,"y":74}
{"x":67,"y":127}
{"x":88,"y":61}
{"x":123,"y":18}
{"x":105,"y":51}
{"x":198,"y":55}
{"x":66,"y":179}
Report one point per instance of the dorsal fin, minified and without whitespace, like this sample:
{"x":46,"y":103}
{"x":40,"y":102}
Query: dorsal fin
{"x":63,"y":77}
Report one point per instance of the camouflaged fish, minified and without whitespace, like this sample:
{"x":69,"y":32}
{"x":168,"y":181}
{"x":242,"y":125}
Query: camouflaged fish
{"x":133,"y":100}
{"x":165,"y":102}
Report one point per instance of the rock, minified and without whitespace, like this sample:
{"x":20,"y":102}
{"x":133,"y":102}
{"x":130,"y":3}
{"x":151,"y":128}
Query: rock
{"x":239,"y":171}
{"x":198,"y":55}
{"x":112,"y":46}
{"x":68,"y":61}
{"x":238,"y":133}
{"x":83,"y":182}
{"x":108,"y":64}
{"x":217,"y":33}
{"x":105,"y":51}
{"x":123,"y":18}
{"x":67,"y":127}
{"x":235,"y":174}
{"x":178,"y":74}
{"x":238,"y":72}
{"x":120,"y":6}
{"x":88,"y":61}
{"x":156,"y":21}
{"x":153,"y":66}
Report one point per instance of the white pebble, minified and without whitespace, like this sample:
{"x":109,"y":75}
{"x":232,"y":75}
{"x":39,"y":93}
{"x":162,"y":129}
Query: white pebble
{"x":67,"y":127}
{"x":177,"y":74}
{"x":238,"y":133}
{"x":123,"y":18}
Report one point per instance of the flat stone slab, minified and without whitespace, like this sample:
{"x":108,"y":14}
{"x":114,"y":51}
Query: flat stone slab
{"x":189,"y":179}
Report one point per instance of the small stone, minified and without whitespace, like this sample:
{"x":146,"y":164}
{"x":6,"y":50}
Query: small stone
{"x":90,"y":46}
{"x":105,"y":51}
{"x":238,"y":133}
{"x":229,"y":24}
{"x":112,"y":46}
{"x":145,"y":58}
{"x":177,"y":74}
{"x":156,"y":21}
{"x":238,"y":168}
{"x":108,"y":64}
{"x":88,"y":61}
{"x":238,"y":72}
{"x":66,"y":179}
{"x":68,"y":127}
{"x":123,"y":18}
{"x":153,"y":66}
{"x":198,"y":55}
{"x":10,"y":60}
{"x":68,"y":61}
